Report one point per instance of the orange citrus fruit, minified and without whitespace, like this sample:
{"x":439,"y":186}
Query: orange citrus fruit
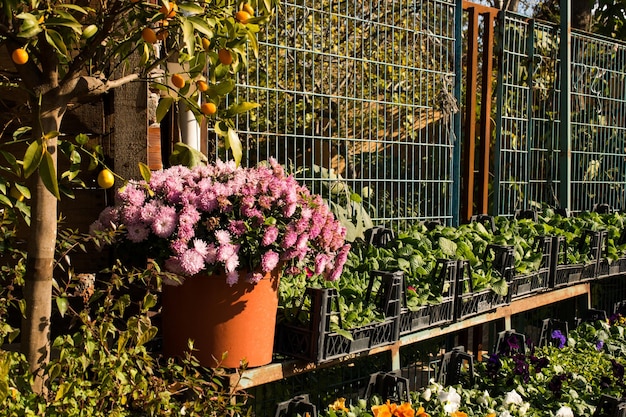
{"x":246,"y":7}
{"x":202,"y":86}
{"x":20,"y":56}
{"x":169,"y":11}
{"x":242,"y":16}
{"x":208,"y":109}
{"x":206,"y":43}
{"x":178,"y":81}
{"x":149,"y":35}
{"x":225,"y":57}
{"x":106,"y":179}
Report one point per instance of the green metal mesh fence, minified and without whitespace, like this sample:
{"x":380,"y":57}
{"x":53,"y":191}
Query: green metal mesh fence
{"x":527,"y":139}
{"x":357,"y":100}
{"x":598,"y":122}
{"x":526,"y":167}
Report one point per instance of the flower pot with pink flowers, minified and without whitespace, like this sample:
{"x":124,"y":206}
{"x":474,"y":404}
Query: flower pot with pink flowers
{"x":225,"y":235}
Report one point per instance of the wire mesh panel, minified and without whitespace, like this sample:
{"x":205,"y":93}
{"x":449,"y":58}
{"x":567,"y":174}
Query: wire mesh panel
{"x":598,"y":122}
{"x":356,"y":99}
{"x":527,"y":145}
{"x":527,"y":158}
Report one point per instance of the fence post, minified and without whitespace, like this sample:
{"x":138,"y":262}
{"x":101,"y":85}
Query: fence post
{"x":458,"y":79}
{"x":565,"y":155}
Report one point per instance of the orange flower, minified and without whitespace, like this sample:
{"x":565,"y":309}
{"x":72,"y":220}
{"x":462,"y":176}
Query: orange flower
{"x":383,"y":410}
{"x":339,"y":405}
{"x":390,"y":409}
{"x":458,"y":414}
{"x":404,"y":410}
{"x":422,"y":413}
{"x":491,"y":415}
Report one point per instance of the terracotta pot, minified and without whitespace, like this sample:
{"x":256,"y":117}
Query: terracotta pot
{"x":238,"y":321}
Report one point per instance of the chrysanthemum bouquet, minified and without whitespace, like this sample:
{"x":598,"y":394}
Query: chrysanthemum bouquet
{"x":220,"y":218}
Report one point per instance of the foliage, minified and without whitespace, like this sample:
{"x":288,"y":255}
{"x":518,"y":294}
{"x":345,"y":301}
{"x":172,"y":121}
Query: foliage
{"x":220,"y":218}
{"x":105,"y":44}
{"x":416,"y":251}
{"x":532,"y":382}
{"x":609,"y":18}
{"x":106,"y":362}
{"x":348,"y":206}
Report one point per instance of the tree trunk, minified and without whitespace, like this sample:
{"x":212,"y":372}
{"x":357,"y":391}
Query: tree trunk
{"x":35,"y":335}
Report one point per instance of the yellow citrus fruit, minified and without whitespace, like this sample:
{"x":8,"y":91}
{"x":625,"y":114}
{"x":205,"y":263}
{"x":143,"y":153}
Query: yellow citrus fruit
{"x":20,"y":56}
{"x":208,"y":109}
{"x":202,"y":86}
{"x":178,"y":81}
{"x":169,"y":11}
{"x":225,"y":57}
{"x":149,"y":35}
{"x":206,"y":44}
{"x":246,"y":7}
{"x":16,"y":194}
{"x":106,"y":179}
{"x":242,"y":16}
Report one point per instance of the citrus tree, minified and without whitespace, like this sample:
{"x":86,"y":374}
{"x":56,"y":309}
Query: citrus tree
{"x":64,"y":52}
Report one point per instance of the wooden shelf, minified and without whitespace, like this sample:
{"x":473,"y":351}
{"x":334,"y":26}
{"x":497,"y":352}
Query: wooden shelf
{"x":291,"y":367}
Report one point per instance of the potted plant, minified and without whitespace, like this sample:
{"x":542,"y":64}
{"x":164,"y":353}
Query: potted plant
{"x":227,"y":233}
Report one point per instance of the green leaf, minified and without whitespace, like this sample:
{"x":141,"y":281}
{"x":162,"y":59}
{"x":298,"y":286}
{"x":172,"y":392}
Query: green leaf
{"x":63,"y":390}
{"x":240,"y":108}
{"x":47,"y":172}
{"x":21,"y":131}
{"x":254,"y":44}
{"x":23,"y":189}
{"x":189,"y":37}
{"x":163,"y":107}
{"x":55,"y":40}
{"x":222,"y":88}
{"x":184,"y":154}
{"x":146,"y":174}
{"x":149,"y":301}
{"x":197,"y":64}
{"x":82,"y":139}
{"x":234,"y":144}
{"x":30,"y":25}
{"x":65,"y":21}
{"x":32,"y":157}
{"x":62,"y":305}
{"x":500,"y":286}
{"x":146,"y":336}
{"x":5,"y":200}
{"x":447,"y":246}
{"x":200,"y":24}
{"x":51,"y":134}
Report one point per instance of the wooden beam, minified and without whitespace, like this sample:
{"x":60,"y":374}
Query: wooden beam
{"x":291,"y":367}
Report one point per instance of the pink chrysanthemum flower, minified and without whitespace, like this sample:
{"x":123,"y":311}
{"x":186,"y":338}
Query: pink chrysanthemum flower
{"x":110,"y":215}
{"x":191,"y":262}
{"x":137,"y":232}
{"x":291,"y":237}
{"x":222,"y":237}
{"x":237,"y":227}
{"x":270,"y":236}
{"x":205,"y":218}
{"x":269,"y":261}
{"x":165,"y":221}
